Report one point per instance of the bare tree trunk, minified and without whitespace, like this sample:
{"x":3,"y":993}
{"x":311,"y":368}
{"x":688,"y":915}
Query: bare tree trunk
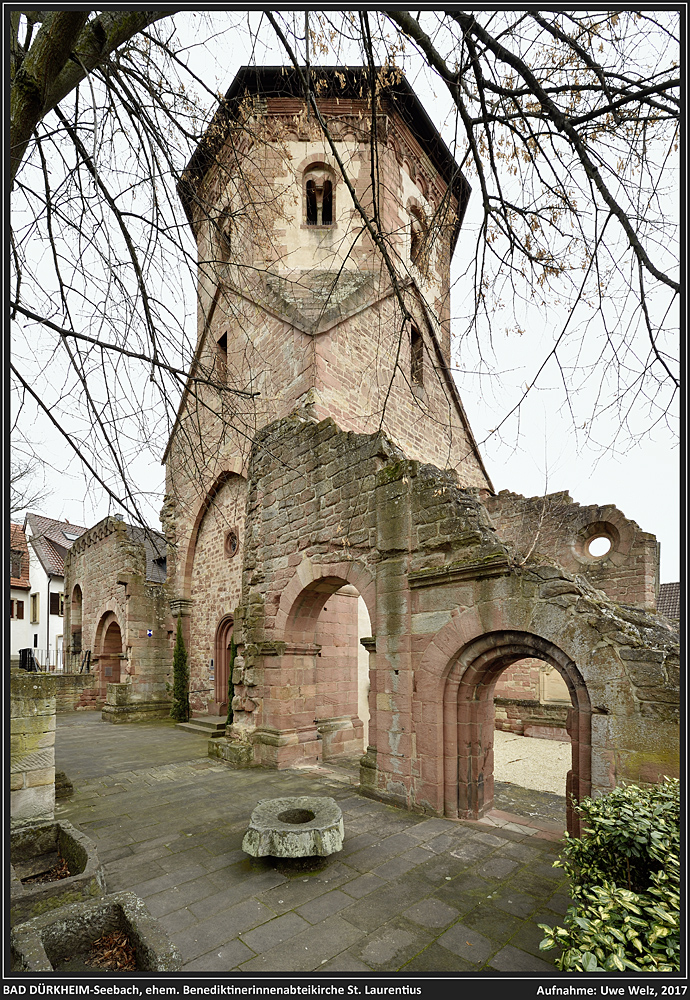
{"x":63,"y":52}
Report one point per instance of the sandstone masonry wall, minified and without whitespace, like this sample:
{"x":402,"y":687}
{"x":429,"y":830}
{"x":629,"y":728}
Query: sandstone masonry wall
{"x":561,"y":529}
{"x":76,"y":691}
{"x":110,"y":569}
{"x":32,"y":747}
{"x":215,"y":586}
{"x":450,"y":608}
{"x":531,"y":699}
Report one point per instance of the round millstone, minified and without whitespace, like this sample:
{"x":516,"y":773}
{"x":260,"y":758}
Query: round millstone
{"x":295,"y":828}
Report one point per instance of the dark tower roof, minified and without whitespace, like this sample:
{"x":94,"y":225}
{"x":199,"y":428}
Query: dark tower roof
{"x":329,"y":81}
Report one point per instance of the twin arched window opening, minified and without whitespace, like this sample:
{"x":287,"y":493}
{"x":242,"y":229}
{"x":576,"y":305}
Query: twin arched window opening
{"x":318,"y":193}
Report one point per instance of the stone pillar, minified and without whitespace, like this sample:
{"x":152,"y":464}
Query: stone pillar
{"x":287,"y":733}
{"x":578,"y":783}
{"x":394,"y":678}
{"x":182,"y":607}
{"x":367,"y":767}
{"x":32,"y":747}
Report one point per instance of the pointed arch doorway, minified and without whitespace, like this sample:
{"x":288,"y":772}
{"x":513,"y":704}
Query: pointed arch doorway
{"x":220,"y":703}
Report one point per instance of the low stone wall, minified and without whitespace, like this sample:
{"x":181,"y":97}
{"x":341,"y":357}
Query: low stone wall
{"x":32,"y":747}
{"x":122,"y":705}
{"x":76,"y":691}
{"x":531,"y":718}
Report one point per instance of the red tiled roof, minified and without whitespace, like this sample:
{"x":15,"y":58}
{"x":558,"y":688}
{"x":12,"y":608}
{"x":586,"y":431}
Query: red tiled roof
{"x":668,"y":601}
{"x":50,"y":555}
{"x":18,"y":543}
{"x":55,"y":530}
{"x":51,"y":539}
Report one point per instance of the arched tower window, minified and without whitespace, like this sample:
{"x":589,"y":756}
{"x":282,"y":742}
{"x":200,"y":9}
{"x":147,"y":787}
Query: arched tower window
{"x":223,"y":234}
{"x":418,"y":230}
{"x":416,"y":357}
{"x":319,"y":206}
{"x":222,"y":359}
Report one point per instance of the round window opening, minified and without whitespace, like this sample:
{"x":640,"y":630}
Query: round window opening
{"x":232,"y":544}
{"x":598,"y":546}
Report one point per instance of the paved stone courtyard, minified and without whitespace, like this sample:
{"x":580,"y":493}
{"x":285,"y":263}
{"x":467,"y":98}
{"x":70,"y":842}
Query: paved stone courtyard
{"x":406,"y":893}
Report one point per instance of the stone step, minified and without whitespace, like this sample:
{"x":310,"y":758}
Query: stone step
{"x":212,"y":726}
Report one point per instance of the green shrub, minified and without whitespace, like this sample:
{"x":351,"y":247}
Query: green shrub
{"x":180,"y":706}
{"x":231,"y":686}
{"x":625,"y":879}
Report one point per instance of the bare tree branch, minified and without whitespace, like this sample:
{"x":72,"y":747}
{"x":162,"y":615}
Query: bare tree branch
{"x":65,"y":49}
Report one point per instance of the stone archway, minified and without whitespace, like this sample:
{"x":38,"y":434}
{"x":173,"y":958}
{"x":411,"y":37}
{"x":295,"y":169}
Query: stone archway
{"x":110,"y":653}
{"x":468,"y":721}
{"x":321,"y":613}
{"x":222,"y":666}
{"x":307,"y":705}
{"x":321,"y":656}
{"x":75,"y":638}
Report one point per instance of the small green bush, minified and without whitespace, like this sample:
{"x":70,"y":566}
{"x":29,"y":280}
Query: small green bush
{"x":625,"y":878}
{"x":180,"y":706}
{"x":231,"y":686}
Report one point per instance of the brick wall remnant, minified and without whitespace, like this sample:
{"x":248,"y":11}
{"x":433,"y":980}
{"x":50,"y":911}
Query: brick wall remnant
{"x":117,"y":574}
{"x":562,"y":530}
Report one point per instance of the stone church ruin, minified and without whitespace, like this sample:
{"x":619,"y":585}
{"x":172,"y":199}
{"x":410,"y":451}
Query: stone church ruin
{"x":349,"y":581}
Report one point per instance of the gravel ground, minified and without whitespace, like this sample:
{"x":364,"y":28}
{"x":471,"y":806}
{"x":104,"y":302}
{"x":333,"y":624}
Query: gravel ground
{"x":530,"y":762}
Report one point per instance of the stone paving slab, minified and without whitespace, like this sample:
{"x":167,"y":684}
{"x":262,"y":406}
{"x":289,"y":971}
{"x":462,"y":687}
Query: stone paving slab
{"x":407,"y":892}
{"x":393,"y":945}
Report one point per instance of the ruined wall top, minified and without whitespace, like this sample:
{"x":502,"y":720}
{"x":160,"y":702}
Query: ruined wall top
{"x":625,"y":565}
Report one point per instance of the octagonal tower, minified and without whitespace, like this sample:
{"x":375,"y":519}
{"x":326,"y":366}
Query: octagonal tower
{"x":323,"y":292}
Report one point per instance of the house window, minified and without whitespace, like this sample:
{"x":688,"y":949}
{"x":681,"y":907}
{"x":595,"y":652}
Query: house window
{"x":57,"y":604}
{"x":416,"y":357}
{"x":35,"y":608}
{"x":319,"y":202}
{"x":17,"y":610}
{"x":15,"y":564}
{"x":11,"y":609}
